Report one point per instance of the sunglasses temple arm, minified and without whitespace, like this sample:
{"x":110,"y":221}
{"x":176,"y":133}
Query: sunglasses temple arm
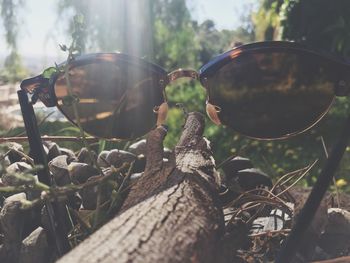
{"x":55,"y":211}
{"x":290,"y":246}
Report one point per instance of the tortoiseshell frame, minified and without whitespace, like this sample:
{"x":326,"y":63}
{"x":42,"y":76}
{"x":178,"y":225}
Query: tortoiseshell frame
{"x":208,"y":70}
{"x":43,"y":89}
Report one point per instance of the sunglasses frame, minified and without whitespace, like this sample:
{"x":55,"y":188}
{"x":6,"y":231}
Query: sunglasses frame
{"x":43,"y":88}
{"x":342,"y":89}
{"x":40,"y":88}
{"x":57,"y":213}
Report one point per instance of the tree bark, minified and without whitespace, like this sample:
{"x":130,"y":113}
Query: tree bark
{"x":172,"y":214}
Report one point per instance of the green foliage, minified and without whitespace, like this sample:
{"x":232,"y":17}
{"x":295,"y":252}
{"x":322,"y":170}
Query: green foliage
{"x":8,"y":10}
{"x":13,"y":69}
{"x":175,"y":39}
{"x":321,"y":24}
{"x":213,"y":42}
{"x":267,"y":20}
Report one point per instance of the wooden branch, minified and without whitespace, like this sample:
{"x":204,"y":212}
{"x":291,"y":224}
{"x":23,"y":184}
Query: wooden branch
{"x":172,"y":212}
{"x":50,"y":138}
{"x":155,"y":152}
{"x":335,"y":260}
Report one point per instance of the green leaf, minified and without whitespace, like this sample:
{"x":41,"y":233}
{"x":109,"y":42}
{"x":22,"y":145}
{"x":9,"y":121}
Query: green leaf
{"x":47,"y":73}
{"x":101,"y":145}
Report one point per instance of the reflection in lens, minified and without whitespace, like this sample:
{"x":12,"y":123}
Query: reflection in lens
{"x":115,"y":100}
{"x":273,"y":94}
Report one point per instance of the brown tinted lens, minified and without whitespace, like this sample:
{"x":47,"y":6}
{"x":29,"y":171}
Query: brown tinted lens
{"x":114,"y":100}
{"x":272,"y":94}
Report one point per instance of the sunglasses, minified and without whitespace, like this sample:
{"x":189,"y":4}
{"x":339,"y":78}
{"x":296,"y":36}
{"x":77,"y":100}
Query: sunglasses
{"x":266,"y":90}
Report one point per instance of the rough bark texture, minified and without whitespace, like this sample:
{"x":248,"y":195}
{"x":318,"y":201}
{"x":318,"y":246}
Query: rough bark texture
{"x":171,"y":214}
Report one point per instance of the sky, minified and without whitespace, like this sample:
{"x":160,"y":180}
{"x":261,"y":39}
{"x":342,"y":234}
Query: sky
{"x":41,"y":32}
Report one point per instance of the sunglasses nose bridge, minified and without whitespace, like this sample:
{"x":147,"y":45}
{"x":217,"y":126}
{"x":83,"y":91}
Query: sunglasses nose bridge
{"x":183,"y":73}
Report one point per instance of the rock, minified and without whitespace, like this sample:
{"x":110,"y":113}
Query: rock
{"x":12,"y":177}
{"x":336,"y":238}
{"x":89,"y":194}
{"x":138,"y":147}
{"x":14,"y":155}
{"x":12,"y":219}
{"x":32,"y":219}
{"x":35,"y":248}
{"x":46,"y":150}
{"x":44,"y":219}
{"x":312,"y":234}
{"x":14,"y":198}
{"x":251,"y":178}
{"x":118,"y":157}
{"x":116,"y":176}
{"x":235,"y":164}
{"x":140,"y":164}
{"x":53,"y":150}
{"x":167,"y":153}
{"x":135,"y":176}
{"x":75,"y":201}
{"x":5,"y":162}
{"x":338,"y":221}
{"x":70,"y":154}
{"x":275,"y":221}
{"x":102,"y":159}
{"x":228,"y":194}
{"x":59,"y":169}
{"x":230,"y":188}
{"x":238,"y":230}
{"x":18,"y":167}
{"x":81,"y":172}
{"x":84,"y":156}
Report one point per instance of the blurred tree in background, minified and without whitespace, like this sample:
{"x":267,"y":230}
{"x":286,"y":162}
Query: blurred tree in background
{"x":319,"y":23}
{"x":13,"y":69}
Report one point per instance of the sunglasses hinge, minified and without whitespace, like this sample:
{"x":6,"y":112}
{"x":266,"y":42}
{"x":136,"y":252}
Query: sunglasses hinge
{"x":43,"y":92}
{"x":342,"y":89}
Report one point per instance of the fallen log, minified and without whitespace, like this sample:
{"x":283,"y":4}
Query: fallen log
{"x":172,"y":213}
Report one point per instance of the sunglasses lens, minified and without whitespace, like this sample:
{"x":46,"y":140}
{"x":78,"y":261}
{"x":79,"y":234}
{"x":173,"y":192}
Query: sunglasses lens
{"x":271,"y":94}
{"x":114,"y":100}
